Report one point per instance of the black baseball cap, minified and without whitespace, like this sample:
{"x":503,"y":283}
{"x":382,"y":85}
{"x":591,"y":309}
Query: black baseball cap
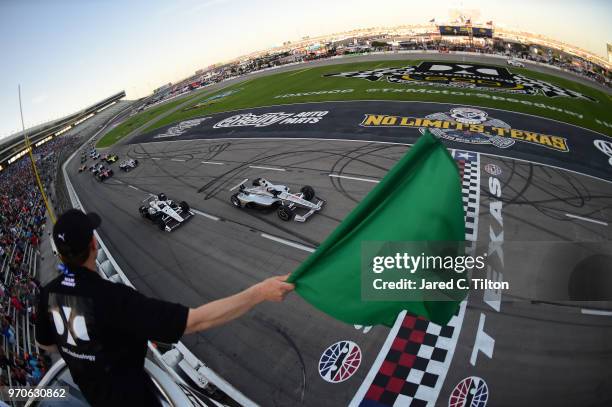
{"x":73,"y":231}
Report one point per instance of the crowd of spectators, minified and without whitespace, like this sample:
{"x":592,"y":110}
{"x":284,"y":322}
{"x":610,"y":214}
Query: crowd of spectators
{"x":23,"y":221}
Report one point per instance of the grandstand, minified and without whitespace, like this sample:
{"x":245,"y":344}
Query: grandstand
{"x":25,"y":254}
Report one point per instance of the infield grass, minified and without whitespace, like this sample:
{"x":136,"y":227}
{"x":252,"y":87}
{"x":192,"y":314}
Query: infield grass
{"x":266,"y":91}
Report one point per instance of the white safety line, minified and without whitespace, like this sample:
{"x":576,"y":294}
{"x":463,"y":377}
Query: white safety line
{"x":299,"y":72}
{"x":177,"y":160}
{"x":212,"y":162}
{"x":237,"y":185}
{"x":354,"y":178}
{"x":380,"y":142}
{"x":266,"y":168}
{"x":596,"y":312}
{"x":206,"y":215}
{"x":155,"y":158}
{"x":288,"y":243}
{"x":133,"y":187}
{"x":599,"y":222}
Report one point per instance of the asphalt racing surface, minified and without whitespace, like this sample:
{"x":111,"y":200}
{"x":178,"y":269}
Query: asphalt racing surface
{"x":553,"y":143}
{"x":528,"y":353}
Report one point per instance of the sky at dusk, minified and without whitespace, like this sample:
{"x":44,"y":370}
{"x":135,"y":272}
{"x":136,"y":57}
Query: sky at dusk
{"x":69,"y":54}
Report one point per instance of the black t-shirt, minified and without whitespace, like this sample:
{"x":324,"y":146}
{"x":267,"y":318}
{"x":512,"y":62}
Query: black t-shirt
{"x":101,"y":330}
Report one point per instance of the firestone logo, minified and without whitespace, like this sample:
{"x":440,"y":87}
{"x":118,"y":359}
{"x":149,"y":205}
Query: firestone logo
{"x":181,"y":128}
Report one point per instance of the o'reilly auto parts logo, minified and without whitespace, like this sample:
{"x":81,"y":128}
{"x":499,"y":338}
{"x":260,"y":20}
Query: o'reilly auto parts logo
{"x":468,"y":125}
{"x":268,"y":119}
{"x":486,"y":77}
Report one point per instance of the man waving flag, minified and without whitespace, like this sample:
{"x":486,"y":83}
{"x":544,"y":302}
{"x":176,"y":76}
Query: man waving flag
{"x":418,"y":200}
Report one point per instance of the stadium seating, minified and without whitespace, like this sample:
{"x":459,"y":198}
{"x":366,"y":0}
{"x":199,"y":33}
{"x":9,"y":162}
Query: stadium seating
{"x":22,"y":224}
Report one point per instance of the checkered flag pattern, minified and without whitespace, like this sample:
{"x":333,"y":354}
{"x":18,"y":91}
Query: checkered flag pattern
{"x":534,"y":87}
{"x":415,"y":366}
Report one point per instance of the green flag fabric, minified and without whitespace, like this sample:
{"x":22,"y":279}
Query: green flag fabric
{"x":418,"y":200}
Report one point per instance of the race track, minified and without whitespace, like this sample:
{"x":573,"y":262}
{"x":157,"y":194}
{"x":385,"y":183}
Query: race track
{"x":534,"y":351}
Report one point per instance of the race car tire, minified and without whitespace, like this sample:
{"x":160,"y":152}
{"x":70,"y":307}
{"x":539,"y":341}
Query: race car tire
{"x":235,"y":201}
{"x":143,"y":211}
{"x":184,"y":206}
{"x":160,"y":223}
{"x":136,"y":162}
{"x":285,"y":213}
{"x":308,"y":192}
{"x":256,"y":182}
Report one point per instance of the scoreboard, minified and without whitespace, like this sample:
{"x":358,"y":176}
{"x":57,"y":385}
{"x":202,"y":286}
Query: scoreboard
{"x":462,"y":30}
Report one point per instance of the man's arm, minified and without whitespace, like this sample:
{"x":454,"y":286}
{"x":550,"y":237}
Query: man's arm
{"x":226,"y":309}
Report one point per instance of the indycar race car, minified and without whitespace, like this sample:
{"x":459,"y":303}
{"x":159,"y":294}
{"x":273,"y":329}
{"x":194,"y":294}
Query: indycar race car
{"x":104,"y":173}
{"x":265,"y":194}
{"x":128,"y":165}
{"x":96,"y":168}
{"x":82,"y":168}
{"x":110,"y":158}
{"x":165,"y":213}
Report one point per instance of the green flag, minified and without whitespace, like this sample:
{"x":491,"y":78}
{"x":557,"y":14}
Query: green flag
{"x":418,"y":200}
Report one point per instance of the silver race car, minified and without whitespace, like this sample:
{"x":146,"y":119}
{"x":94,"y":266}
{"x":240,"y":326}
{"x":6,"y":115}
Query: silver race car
{"x":264,"y":194}
{"x":128,"y":165}
{"x":165,"y":213}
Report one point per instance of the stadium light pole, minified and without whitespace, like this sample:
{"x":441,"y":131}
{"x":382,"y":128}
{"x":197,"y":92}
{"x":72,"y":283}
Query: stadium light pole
{"x":29,"y":150}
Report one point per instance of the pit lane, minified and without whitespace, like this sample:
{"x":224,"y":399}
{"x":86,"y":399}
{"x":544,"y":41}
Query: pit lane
{"x":272,"y":354}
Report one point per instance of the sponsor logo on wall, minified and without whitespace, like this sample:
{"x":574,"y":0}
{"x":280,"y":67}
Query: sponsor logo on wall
{"x":462,"y":75}
{"x":268,"y":119}
{"x":468,"y":125}
{"x":181,"y":128}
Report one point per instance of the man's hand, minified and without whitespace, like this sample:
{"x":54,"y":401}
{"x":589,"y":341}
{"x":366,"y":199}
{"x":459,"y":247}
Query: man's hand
{"x":224,"y":310}
{"x":273,"y":289}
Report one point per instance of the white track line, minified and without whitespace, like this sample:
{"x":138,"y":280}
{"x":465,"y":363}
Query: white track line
{"x":177,"y":160}
{"x":155,"y":158}
{"x":237,"y":185}
{"x":206,"y":215}
{"x":599,"y":222}
{"x":596,"y":312}
{"x":288,"y":243}
{"x":133,"y":187}
{"x":354,"y":178}
{"x":266,"y":168}
{"x":212,"y":162}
